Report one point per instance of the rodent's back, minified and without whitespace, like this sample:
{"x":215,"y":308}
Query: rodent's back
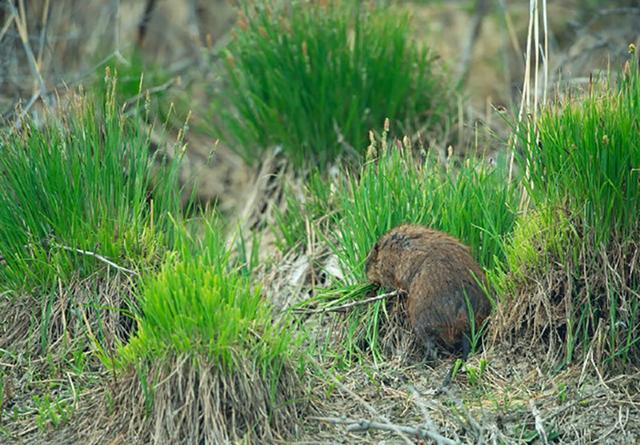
{"x":439,"y":275}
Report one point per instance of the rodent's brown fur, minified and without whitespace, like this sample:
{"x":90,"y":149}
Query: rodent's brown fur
{"x":437,"y":272}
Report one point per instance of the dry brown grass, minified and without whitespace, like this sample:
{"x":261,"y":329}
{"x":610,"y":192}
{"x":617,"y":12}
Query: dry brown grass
{"x":595,"y":290}
{"x":77,"y":313}
{"x":514,"y":402}
{"x":69,"y":39}
{"x":183,"y":400}
{"x":47,"y":345}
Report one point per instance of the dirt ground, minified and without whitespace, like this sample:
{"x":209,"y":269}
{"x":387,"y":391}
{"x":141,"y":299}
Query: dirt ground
{"x":516,"y":399}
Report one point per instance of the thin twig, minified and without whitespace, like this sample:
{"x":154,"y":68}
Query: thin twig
{"x":98,"y":257}
{"x":43,"y":32}
{"x":472,"y":37}
{"x":539,"y":424}
{"x":343,"y":307}
{"x":6,"y":26}
{"x":115,"y":4}
{"x":21,"y":26}
{"x":365,"y":425}
{"x":366,"y":405}
{"x":144,"y":21}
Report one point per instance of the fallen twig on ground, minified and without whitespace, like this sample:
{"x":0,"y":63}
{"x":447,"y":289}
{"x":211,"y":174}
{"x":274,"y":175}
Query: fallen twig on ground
{"x":368,"y":407}
{"x":539,"y":424}
{"x":365,"y":425}
{"x":98,"y":257}
{"x":351,"y":304}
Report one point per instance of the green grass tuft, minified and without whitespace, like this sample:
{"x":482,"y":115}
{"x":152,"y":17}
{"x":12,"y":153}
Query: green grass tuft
{"x":586,"y":158}
{"x":475,"y":204}
{"x":315,"y":77}
{"x":82,"y":182}
{"x":571,"y":272}
{"x":198,"y":304}
{"x":202,"y":321}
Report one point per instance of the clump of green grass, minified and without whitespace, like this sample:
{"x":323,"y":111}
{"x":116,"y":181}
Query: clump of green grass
{"x":315,"y":77}
{"x":84,"y":209}
{"x":84,"y":183}
{"x":199,"y":303}
{"x":538,"y":235}
{"x":474,"y":203}
{"x":203,"y":323}
{"x":582,"y":156}
{"x":586,"y":157}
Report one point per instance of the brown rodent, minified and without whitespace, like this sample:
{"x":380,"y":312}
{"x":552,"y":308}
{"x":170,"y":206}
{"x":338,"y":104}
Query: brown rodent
{"x":437,"y":272}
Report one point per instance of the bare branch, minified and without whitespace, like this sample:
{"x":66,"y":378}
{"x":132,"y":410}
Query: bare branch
{"x":351,"y":304}
{"x":6,"y":26}
{"x":538,"y":422}
{"x":371,"y":409}
{"x":474,"y":32}
{"x":365,"y":425}
{"x":98,"y":257}
{"x":21,"y":25}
